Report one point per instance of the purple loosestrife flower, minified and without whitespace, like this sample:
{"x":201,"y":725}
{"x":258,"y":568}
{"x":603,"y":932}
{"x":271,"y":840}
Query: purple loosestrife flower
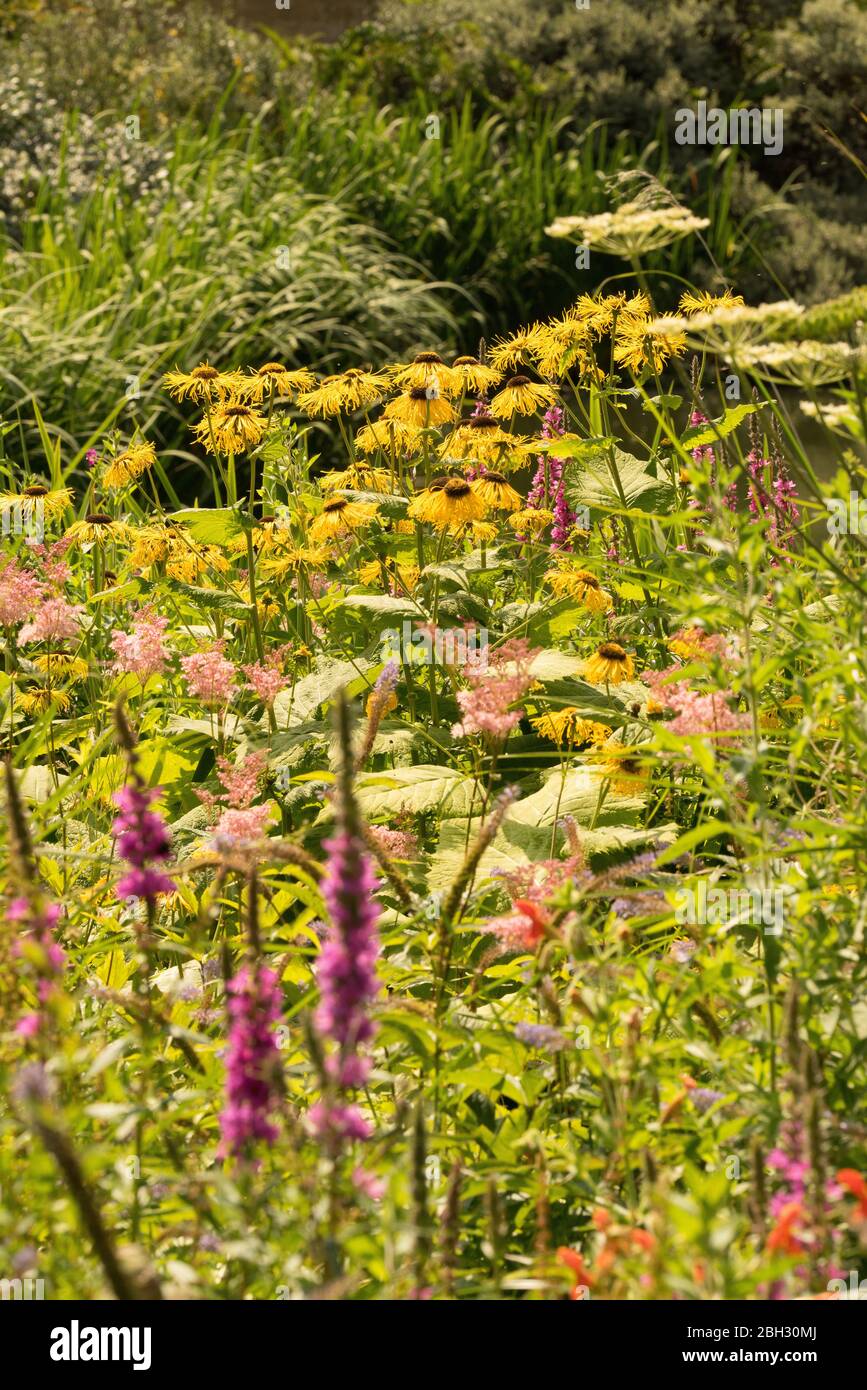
{"x":46,"y":959}
{"x":253,"y":1061}
{"x":346,"y":972}
{"x":547,"y":488}
{"x":141,"y":835}
{"x":347,"y":966}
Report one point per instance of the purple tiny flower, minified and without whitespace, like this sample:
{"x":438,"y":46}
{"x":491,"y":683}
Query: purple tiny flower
{"x":253,"y":1060}
{"x":141,"y":836}
{"x":540,"y":1035}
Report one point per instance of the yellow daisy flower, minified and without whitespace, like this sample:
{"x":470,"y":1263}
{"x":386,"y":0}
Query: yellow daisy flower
{"x":359,"y":477}
{"x":475,"y":378}
{"x":478,"y":439}
{"x":98,"y":528}
{"x":293,"y":558}
{"x":37,"y":499}
{"x":203,"y":384}
{"x":567,"y":726}
{"x":129,"y":465}
{"x":636,"y":347}
{"x":274,"y":378}
{"x":381,"y":572}
{"x":624,"y":767}
{"x":339,"y":517}
{"x":580,"y":585}
{"x":531,"y":521}
{"x":704,"y":303}
{"x":509,"y":353}
{"x":496,"y":493}
{"x":609,"y":665}
{"x":61,"y":666}
{"x":420,"y":410}
{"x":448,"y":503}
{"x":151,"y":544}
{"x":232,"y":428}
{"x":267,"y":534}
{"x":392,"y":437}
{"x":522,"y":396}
{"x":428,"y":372}
{"x":347,"y":391}
{"x":40,"y":698}
{"x":189,"y":565}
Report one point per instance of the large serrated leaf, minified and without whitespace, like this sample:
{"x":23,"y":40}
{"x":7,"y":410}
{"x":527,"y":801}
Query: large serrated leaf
{"x":318,"y":688}
{"x":209,"y":526}
{"x":424,"y":787}
{"x":593,"y":485}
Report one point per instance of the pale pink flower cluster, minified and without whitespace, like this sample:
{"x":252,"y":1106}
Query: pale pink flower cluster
{"x":398,"y":844}
{"x":696,"y":713}
{"x":141,"y":652}
{"x":55,"y":621}
{"x":536,"y":882}
{"x":266,"y":681}
{"x":519,"y":930}
{"x":486,"y":705}
{"x":54,"y":569}
{"x":210,"y":676}
{"x":20,"y":592}
{"x":242,"y":824}
{"x":239,"y":821}
{"x":240,"y":780}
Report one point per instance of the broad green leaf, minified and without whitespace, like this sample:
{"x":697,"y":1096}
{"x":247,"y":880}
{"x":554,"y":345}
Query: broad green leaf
{"x":425,"y":787}
{"x":701,"y":435}
{"x":593,"y":485}
{"x":209,"y":526}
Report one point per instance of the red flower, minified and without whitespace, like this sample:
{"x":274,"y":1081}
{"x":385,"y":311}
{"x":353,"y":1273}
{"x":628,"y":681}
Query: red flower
{"x":853,"y":1182}
{"x":782,"y":1237}
{"x":575,"y":1261}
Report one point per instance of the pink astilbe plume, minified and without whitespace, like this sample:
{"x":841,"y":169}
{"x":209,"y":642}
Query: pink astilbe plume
{"x":708,"y":713}
{"x":210,"y":676}
{"x":486,"y":706}
{"x":55,"y":621}
{"x":266,"y":681}
{"x":241,"y":780}
{"x":142,"y":652}
{"x":20,"y":593}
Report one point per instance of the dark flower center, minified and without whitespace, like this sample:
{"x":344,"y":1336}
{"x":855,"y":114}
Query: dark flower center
{"x":456,"y":487}
{"x":36,"y":491}
{"x":612,"y":652}
{"x":98,"y":519}
{"x":205,"y":373}
{"x":424,"y":357}
{"x":518,"y":381}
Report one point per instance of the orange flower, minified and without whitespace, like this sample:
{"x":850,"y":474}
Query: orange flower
{"x":853,"y":1182}
{"x":537,"y":915}
{"x":782,"y":1237}
{"x":575,"y":1261}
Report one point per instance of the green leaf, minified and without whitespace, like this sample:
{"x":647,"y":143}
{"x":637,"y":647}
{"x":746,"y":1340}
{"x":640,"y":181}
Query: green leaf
{"x":593,"y":485}
{"x":577,"y":794}
{"x":701,"y":435}
{"x":318,"y":688}
{"x":425,"y":787}
{"x":214,"y":526}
